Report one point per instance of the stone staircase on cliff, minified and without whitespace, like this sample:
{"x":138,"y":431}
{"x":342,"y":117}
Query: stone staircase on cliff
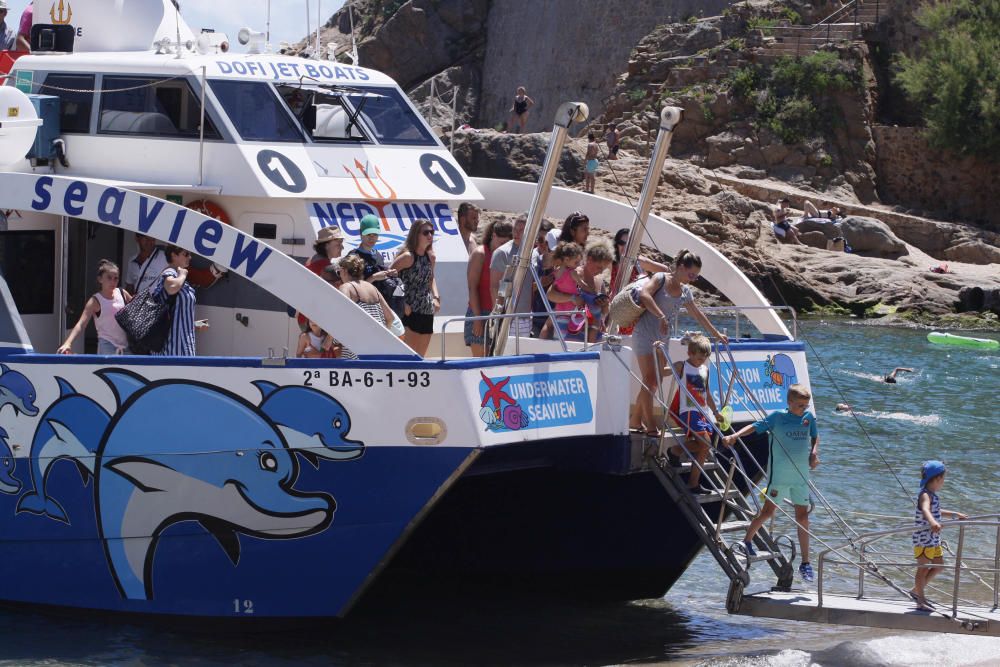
{"x":847,"y":24}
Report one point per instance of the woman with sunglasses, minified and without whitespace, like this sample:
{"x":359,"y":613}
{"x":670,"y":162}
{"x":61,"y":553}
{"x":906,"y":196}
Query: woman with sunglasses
{"x":415,"y":265}
{"x":642,"y":264}
{"x":663,"y":296}
{"x":173,"y":282}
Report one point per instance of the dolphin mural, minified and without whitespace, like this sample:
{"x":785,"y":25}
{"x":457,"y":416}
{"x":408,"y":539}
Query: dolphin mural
{"x":17,"y":390}
{"x":71,"y":429}
{"x":314,"y":424}
{"x":233,"y":473}
{"x":8,"y":483}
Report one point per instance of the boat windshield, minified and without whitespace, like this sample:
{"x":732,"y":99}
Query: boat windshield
{"x":324,"y":114}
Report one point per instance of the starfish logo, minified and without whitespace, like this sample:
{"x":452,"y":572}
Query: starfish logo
{"x":499,"y":417}
{"x":65,"y":15}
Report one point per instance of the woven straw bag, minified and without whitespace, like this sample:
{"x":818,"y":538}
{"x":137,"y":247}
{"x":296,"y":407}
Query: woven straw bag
{"x":625,"y":312}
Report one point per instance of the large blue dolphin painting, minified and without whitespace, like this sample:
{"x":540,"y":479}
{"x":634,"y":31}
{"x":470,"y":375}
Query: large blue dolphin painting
{"x":70,"y":429}
{"x":314,"y":424}
{"x":8,"y":483}
{"x":17,"y":390}
{"x":233,"y":474}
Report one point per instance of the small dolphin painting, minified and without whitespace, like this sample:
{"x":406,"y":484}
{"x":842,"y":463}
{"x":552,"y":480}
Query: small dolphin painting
{"x":17,"y":390}
{"x":314,"y":424}
{"x":233,"y":474}
{"x":8,"y":483}
{"x":71,"y":429}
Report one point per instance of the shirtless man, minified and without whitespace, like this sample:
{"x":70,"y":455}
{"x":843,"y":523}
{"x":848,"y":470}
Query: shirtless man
{"x":468,"y":224}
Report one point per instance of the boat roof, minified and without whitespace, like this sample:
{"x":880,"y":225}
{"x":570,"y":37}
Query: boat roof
{"x":271,"y":67}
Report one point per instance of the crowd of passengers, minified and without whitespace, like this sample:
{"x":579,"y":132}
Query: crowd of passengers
{"x":575,"y":274}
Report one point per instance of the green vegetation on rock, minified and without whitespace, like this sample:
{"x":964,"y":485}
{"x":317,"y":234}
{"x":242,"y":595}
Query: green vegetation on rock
{"x":790,"y":98}
{"x":955,"y":79}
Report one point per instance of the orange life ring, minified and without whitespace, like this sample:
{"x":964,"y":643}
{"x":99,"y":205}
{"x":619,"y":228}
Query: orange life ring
{"x":205,"y":277}
{"x":211,"y":209}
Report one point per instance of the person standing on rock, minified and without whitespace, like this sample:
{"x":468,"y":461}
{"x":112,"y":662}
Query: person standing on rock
{"x":519,"y":110}
{"x":613,"y":139}
{"x":468,"y":225}
{"x":591,"y":174}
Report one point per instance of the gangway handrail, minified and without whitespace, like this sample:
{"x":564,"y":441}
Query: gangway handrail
{"x":865,"y":539}
{"x":517,"y":334}
{"x":738,"y":310}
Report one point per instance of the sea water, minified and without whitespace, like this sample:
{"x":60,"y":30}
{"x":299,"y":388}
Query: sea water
{"x":945,"y":409}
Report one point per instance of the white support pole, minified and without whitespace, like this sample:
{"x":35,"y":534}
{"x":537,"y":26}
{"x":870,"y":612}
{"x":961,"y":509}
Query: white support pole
{"x":567,"y":114}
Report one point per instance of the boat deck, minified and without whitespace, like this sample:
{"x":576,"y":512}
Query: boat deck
{"x":895,"y":614}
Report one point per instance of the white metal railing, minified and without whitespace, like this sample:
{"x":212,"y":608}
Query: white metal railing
{"x":552,"y":316}
{"x":864,"y":566}
{"x":742,"y":309}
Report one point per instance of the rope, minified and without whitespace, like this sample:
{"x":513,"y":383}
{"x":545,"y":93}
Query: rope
{"x":112,"y":90}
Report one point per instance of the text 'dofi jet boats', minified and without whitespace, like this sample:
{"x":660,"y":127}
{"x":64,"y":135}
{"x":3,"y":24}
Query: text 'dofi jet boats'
{"x":173,"y":485}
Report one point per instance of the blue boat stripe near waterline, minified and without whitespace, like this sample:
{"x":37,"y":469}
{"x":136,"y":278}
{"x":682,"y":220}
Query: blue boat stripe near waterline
{"x":373,"y":362}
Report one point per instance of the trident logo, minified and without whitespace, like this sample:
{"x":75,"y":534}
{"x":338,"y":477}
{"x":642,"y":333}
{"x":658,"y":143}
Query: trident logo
{"x":376,"y":192}
{"x":65,"y":13}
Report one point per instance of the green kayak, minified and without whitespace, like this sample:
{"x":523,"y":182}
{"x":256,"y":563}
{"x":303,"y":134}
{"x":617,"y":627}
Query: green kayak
{"x":963,"y":341}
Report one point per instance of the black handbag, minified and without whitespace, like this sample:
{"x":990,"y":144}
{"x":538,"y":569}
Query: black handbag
{"x":146,"y":321}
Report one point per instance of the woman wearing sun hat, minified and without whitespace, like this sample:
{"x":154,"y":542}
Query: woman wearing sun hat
{"x":329,"y":244}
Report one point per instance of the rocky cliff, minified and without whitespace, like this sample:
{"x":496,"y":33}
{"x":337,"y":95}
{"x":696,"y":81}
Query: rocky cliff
{"x":745,"y":140}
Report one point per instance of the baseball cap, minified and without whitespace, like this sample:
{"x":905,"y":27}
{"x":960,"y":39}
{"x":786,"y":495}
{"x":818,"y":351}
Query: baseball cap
{"x":929,"y":470}
{"x":370,"y":225}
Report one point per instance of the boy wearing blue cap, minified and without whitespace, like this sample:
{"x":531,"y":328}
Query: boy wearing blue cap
{"x":794,"y":452}
{"x":927,"y":532}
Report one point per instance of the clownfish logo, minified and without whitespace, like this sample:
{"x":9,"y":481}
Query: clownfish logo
{"x":65,"y":13}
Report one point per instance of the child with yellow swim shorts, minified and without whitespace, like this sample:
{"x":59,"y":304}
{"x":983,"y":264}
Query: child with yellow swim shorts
{"x":927,"y":530}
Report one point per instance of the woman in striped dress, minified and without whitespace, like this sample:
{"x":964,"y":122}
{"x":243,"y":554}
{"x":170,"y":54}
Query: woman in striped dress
{"x":173,"y":282}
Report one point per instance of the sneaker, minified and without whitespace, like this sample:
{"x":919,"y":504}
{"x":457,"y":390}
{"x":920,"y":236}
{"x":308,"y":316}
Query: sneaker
{"x":673,"y":459}
{"x":748,"y":547}
{"x":806,"y":570}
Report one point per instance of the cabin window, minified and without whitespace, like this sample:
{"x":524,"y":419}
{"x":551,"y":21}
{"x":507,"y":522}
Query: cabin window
{"x":152,"y":107}
{"x":389,"y":117}
{"x":27,"y":261}
{"x":255,"y":111}
{"x":76,"y":100}
{"x":323,"y":113}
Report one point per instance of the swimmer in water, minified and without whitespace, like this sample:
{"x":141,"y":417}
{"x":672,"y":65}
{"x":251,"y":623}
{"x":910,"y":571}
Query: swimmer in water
{"x":891,"y":377}
{"x":843,"y":407}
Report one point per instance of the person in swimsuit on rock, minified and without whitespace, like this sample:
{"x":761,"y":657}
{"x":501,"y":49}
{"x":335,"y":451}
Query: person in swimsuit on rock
{"x":519,"y":110}
{"x":591,"y":174}
{"x":612,"y":138}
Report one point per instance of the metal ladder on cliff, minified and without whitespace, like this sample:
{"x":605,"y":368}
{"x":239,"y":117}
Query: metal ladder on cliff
{"x":720,"y":531}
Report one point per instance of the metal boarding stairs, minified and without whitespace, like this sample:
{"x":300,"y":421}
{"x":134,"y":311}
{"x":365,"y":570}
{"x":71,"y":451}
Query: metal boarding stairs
{"x":722,"y":533}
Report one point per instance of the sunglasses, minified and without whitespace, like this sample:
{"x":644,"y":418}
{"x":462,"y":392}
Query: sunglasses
{"x":620,"y":242}
{"x":427,"y":232}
